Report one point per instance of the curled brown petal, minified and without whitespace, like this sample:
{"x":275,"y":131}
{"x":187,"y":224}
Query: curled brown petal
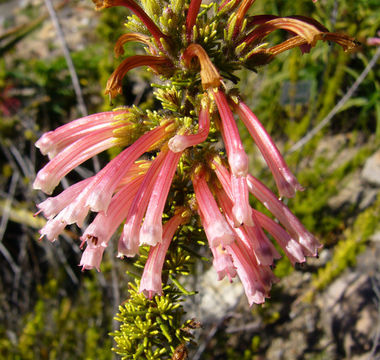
{"x":265,"y":56}
{"x":261,"y":19}
{"x":138,"y":11}
{"x":123,"y":39}
{"x":298,"y":27}
{"x":114,"y":83}
{"x":287,"y":45}
{"x":209,"y":74}
{"x":346,"y":42}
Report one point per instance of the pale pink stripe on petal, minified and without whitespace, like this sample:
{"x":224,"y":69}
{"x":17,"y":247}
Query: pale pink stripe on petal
{"x":241,"y":208}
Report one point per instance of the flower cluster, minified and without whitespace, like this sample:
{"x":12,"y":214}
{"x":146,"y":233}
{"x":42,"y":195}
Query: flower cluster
{"x":175,"y":152}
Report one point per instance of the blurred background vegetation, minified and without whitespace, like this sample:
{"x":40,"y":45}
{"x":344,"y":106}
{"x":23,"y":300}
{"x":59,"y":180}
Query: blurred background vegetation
{"x":49,"y":309}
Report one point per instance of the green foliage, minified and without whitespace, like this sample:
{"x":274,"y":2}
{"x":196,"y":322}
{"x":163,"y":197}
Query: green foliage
{"x":151,"y":329}
{"x":155,"y":328}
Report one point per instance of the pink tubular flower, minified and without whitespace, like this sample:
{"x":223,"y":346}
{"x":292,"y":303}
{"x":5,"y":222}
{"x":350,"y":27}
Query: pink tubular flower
{"x":99,"y":232}
{"x":95,"y":193}
{"x":185,"y":158}
{"x":181,"y":142}
{"x":292,"y":249}
{"x":72,"y":156}
{"x":241,"y":208}
{"x":92,"y":257}
{"x":104,"y":225}
{"x":286,"y":182}
{"x":53,"y":142}
{"x":99,"y":192}
{"x":217,"y":230}
{"x":151,"y":231}
{"x":223,"y":263}
{"x":53,"y":205}
{"x":129,"y":240}
{"x":237,"y":159}
{"x":252,"y":236}
{"x":245,"y":268}
{"x":151,"y":282}
{"x":56,"y":208}
{"x":284,"y":215}
{"x":296,"y":245}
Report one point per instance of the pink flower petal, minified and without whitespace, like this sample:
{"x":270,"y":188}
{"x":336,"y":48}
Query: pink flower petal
{"x":286,"y":182}
{"x":151,"y":231}
{"x":151,"y":282}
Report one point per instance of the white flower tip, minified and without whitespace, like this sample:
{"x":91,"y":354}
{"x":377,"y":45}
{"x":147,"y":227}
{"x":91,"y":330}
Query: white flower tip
{"x":295,"y":252}
{"x":44,"y":182}
{"x":99,"y":200}
{"x":176,"y":144}
{"x":310,"y":244}
{"x":256,"y":297}
{"x":44,"y":143}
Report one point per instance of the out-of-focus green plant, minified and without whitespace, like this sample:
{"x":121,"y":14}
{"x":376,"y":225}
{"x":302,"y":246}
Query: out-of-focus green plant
{"x":62,"y":327}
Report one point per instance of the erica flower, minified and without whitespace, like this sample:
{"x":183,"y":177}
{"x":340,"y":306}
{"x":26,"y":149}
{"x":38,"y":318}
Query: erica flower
{"x":183,"y":176}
